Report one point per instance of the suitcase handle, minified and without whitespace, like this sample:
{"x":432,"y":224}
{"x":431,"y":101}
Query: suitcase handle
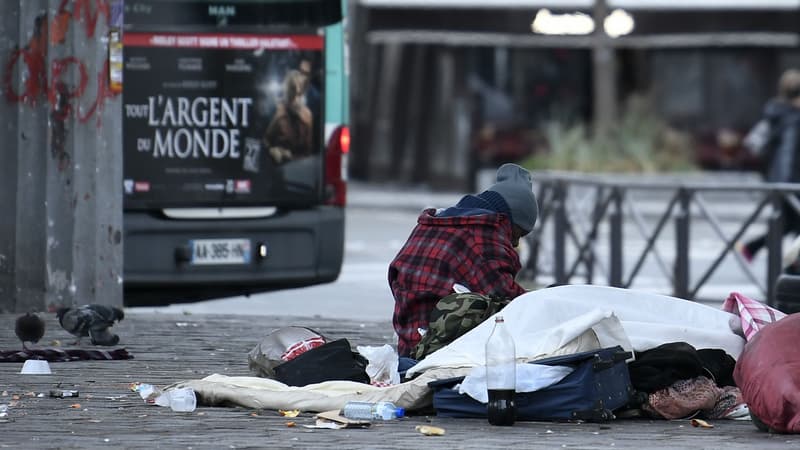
{"x":604,"y":364}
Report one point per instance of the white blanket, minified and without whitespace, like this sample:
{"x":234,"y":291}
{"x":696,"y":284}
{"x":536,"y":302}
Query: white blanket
{"x":546,"y":321}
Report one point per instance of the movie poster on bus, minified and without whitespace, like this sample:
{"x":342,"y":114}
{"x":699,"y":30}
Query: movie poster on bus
{"x":221,"y":119}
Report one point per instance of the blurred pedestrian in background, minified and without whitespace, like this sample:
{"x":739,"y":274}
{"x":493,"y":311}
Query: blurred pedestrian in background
{"x":775,"y":139}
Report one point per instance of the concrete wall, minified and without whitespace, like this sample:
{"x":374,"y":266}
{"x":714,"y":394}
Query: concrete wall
{"x":61,"y":161}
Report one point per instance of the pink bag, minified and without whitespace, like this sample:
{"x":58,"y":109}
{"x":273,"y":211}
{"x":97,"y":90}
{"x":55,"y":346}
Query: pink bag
{"x":768,"y":374}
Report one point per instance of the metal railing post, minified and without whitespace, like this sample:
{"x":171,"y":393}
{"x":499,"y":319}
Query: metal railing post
{"x":774,"y":244}
{"x":534,"y":238}
{"x":615,"y":239}
{"x":682,"y":228}
{"x":588,"y":256}
{"x":560,"y":232}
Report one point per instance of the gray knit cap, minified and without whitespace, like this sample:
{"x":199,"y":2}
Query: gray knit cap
{"x":515,"y":185}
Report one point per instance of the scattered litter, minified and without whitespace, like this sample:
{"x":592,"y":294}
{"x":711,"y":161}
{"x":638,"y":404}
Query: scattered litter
{"x":3,"y":410}
{"x":321,"y":423}
{"x":701,"y":423}
{"x":95,"y":421}
{"x":372,"y":411}
{"x":4,"y":394}
{"x":289,"y":413}
{"x":35,"y":367}
{"x":179,"y":400}
{"x":333,"y":419}
{"x":429,"y":430}
{"x":75,"y":405}
{"x":55,"y":343}
{"x":290,"y":424}
{"x":382,"y":364}
{"x":148,"y":392}
{"x":40,"y":395}
{"x":63,"y":393}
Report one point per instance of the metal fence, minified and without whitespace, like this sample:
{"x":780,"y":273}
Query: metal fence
{"x":674,"y":235}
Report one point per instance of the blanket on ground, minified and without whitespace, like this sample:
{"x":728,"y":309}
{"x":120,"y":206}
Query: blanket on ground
{"x":545,"y":320}
{"x":265,"y":393}
{"x":544,"y":323}
{"x":62,"y":355}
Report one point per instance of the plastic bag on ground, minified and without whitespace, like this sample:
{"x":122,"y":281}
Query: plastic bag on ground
{"x":382,"y":366}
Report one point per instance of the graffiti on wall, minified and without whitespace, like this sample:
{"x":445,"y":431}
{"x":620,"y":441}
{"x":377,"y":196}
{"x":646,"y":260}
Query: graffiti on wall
{"x":63,"y":83}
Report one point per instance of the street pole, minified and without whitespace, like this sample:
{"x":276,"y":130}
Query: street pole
{"x":61,"y":170}
{"x":604,"y":73}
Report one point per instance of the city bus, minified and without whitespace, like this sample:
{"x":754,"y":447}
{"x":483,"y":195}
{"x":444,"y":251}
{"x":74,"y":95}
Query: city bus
{"x":235,"y":139}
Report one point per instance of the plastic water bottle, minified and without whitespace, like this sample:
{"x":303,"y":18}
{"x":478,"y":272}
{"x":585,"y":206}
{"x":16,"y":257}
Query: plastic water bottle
{"x":179,"y":400}
{"x":148,"y":392}
{"x":501,"y":366}
{"x":372,"y":411}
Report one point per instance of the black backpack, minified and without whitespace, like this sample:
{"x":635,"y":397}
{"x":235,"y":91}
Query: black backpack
{"x":331,"y":361}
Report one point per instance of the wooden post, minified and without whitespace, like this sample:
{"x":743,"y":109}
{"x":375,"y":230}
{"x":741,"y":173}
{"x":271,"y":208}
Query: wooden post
{"x":61,"y":184}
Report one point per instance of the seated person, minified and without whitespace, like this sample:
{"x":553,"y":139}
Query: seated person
{"x":471,"y":243}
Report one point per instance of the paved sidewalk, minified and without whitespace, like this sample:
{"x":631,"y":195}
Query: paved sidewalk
{"x":171,"y":348}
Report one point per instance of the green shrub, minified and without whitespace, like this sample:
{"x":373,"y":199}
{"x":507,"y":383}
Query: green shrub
{"x":640,"y":142}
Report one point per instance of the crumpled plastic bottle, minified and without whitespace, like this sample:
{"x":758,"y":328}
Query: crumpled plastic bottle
{"x":179,"y":400}
{"x":148,"y":392}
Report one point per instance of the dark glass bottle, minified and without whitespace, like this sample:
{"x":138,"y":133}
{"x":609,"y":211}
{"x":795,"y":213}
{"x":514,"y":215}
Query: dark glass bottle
{"x":501,"y":375}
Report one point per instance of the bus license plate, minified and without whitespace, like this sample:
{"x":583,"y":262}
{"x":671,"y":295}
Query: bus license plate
{"x":220,"y":251}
